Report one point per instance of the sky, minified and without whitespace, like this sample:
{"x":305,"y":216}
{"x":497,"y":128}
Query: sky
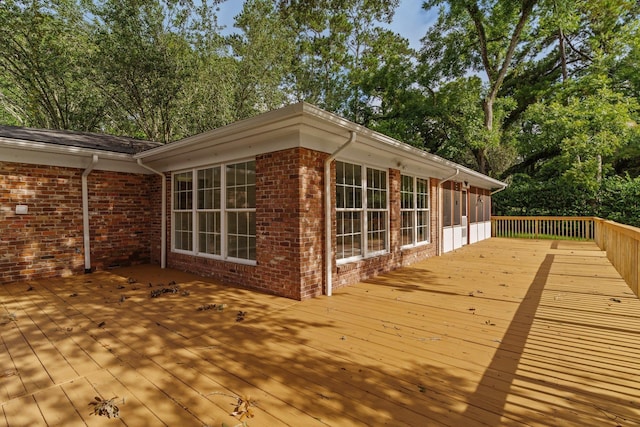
{"x":410,"y":20}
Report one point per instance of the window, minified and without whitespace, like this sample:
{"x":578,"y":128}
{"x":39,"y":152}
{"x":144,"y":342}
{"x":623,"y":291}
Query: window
{"x":361,"y":211}
{"x":183,"y":211}
{"x":216,"y":217}
{"x":414,"y":210}
{"x":349,"y":210}
{"x":241,"y":210}
{"x":209,"y":211}
{"x":376,"y":210}
{"x":407,"y":210}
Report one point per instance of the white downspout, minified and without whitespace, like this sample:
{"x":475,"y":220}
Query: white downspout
{"x":328,"y":253}
{"x":85,"y":214}
{"x":163,"y":225}
{"x":441,"y":211}
{"x":498,"y":190}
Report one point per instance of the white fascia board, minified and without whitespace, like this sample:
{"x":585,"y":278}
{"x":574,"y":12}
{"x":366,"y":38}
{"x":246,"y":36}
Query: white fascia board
{"x":304,"y":125}
{"x":38,"y":153}
{"x":378,"y":150}
{"x":250,"y":131}
{"x":222,"y":152}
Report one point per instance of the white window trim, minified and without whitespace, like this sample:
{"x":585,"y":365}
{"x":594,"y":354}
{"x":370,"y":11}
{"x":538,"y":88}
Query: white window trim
{"x":364,"y":210}
{"x":414,"y":211}
{"x":194,"y":214}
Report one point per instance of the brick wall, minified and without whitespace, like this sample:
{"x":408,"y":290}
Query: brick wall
{"x":121,"y":218}
{"x":354,"y":272}
{"x":48,"y":241}
{"x":290,"y":232}
{"x":289,"y":224}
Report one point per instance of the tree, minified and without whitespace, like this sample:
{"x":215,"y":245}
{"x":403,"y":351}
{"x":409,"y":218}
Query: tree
{"x":472,"y":36}
{"x":43,"y":64}
{"x":263,"y":54}
{"x":142,"y":64}
{"x":332,"y":38}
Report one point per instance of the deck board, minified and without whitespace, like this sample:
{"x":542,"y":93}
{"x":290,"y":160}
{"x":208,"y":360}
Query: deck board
{"x":503,"y":332}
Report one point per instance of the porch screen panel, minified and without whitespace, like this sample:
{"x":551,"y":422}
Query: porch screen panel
{"x":487,"y":207}
{"x":349,"y":210}
{"x":457,"y":205}
{"x":183,"y":211}
{"x":473,"y":205}
{"x":241,"y":210}
{"x":447,"y":205}
{"x":376,"y":210}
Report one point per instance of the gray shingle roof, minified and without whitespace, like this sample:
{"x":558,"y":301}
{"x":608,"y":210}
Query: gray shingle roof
{"x":95,"y":141}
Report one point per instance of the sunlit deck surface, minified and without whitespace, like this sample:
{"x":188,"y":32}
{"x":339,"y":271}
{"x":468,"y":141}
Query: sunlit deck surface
{"x":504,"y":332}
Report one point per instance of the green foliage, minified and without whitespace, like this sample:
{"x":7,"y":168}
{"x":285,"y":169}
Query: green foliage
{"x":541,"y":93}
{"x":43,"y":62}
{"x":335,"y":39}
{"x":620,"y":200}
{"x":617,"y":199}
{"x":265,"y":53}
{"x":141,"y":63}
{"x":527,"y":196}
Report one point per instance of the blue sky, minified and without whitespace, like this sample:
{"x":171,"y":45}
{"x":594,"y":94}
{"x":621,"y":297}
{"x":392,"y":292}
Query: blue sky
{"x":410,"y":20}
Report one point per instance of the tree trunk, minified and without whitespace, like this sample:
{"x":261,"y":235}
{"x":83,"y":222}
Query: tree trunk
{"x":563,"y":54}
{"x":487,"y":105}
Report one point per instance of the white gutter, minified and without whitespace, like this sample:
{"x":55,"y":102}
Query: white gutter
{"x":498,"y":190}
{"x":440,"y":210}
{"x":163,"y":225}
{"x":328,"y":253}
{"x":85,"y":214}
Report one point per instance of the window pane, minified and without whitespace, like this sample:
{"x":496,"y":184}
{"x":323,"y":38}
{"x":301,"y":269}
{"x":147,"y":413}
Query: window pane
{"x":349,"y":236}
{"x":423,"y":226}
{"x":348,"y":186}
{"x":241,"y":244}
{"x":406,"y":192}
{"x":183,"y":231}
{"x":376,"y":189}
{"x":182,"y":190}
{"x":377,"y":231}
{"x":209,"y":188}
{"x":422,"y":192}
{"x":241,"y":189}
{"x":340,"y":196}
{"x":407,"y":228}
{"x":209,"y":233}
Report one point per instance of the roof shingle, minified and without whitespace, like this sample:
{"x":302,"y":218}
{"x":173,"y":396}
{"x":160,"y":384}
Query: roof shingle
{"x":96,"y":141}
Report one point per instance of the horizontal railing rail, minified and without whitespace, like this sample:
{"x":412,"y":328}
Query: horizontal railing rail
{"x":536,"y":227}
{"x":620,"y":242}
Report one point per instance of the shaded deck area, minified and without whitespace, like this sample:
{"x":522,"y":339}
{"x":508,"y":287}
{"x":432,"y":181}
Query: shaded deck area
{"x":504,"y":332}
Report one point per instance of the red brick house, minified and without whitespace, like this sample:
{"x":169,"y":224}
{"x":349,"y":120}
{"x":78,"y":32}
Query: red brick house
{"x":293,"y":202}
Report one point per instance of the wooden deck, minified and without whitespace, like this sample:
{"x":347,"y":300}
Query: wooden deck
{"x":504,"y":332}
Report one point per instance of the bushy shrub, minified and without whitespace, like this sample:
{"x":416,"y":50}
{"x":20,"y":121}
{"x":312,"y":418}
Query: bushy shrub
{"x":617,"y":199}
